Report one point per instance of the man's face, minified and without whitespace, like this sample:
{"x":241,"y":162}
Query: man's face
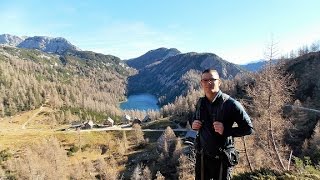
{"x":210,"y":82}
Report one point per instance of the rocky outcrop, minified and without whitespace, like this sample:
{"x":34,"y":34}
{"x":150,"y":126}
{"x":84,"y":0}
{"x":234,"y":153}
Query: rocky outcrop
{"x":10,"y":40}
{"x":47,"y":44}
{"x":152,"y":57}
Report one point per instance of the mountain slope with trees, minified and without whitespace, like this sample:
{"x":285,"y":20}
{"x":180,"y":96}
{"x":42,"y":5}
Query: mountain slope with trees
{"x":305,"y":69}
{"x":77,"y":82}
{"x":151,"y":57}
{"x":56,"y":45}
{"x":176,"y":75}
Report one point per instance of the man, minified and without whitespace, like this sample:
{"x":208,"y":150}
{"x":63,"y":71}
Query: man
{"x":214,"y":119}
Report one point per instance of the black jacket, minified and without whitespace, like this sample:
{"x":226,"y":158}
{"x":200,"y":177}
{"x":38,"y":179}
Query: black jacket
{"x":228,"y":112}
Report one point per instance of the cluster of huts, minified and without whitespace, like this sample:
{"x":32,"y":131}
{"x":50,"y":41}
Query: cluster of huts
{"x":126,"y":119}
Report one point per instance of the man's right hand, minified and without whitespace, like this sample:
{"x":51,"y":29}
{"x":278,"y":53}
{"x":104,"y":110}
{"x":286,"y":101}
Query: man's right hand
{"x":196,"y":125}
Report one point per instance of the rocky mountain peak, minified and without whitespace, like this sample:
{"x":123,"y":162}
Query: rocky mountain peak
{"x":10,"y":40}
{"x":152,"y":57}
{"x":47,"y":44}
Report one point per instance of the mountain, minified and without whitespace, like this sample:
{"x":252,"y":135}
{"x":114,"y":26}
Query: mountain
{"x":175,"y":75}
{"x":305,"y":70}
{"x":256,"y":66}
{"x":152,"y":57}
{"x":56,"y":45}
{"x":10,"y":40}
{"x":80,"y":81}
{"x":47,"y":44}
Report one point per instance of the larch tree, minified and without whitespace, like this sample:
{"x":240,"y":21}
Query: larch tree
{"x":159,"y":176}
{"x":167,"y":141}
{"x":138,"y":135}
{"x":146,"y":173}
{"x":270,"y":93}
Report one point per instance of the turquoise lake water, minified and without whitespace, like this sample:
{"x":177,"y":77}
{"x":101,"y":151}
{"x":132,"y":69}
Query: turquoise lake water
{"x":140,"y":102}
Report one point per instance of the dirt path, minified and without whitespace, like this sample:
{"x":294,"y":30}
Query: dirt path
{"x":34,"y":115}
{"x":304,"y":108}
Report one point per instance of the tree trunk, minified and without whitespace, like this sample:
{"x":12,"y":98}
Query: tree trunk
{"x":246,"y":153}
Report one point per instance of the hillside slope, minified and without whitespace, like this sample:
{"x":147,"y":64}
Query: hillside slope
{"x":151,"y":57}
{"x":177,"y":74}
{"x":78,"y":80}
{"x":305,"y":70}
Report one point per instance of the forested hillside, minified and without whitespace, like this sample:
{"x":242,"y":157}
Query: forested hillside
{"x":75,"y":81}
{"x":305,"y":70}
{"x":81,"y":85}
{"x":151,"y":57}
{"x":176,"y":75}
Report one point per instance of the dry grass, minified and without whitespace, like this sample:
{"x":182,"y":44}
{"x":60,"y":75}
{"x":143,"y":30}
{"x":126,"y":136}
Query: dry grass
{"x":37,"y":129}
{"x":18,"y":140}
{"x":15,"y":138}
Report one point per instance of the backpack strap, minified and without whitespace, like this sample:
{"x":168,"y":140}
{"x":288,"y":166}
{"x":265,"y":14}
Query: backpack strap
{"x":220,"y":111}
{"x":198,"y":108}
{"x":220,"y":114}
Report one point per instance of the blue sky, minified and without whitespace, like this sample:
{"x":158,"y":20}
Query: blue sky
{"x":237,"y":31}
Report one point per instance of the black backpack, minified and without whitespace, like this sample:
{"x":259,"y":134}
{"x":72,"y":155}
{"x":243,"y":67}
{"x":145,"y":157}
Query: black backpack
{"x":220,"y":112}
{"x":228,"y":152}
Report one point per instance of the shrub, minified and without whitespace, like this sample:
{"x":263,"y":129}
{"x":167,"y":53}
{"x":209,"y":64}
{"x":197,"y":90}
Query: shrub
{"x":85,"y":147}
{"x":5,"y":155}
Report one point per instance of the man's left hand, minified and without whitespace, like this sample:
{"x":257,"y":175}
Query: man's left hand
{"x":218,"y":127}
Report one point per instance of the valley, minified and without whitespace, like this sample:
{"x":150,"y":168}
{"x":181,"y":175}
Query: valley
{"x":55,"y":106}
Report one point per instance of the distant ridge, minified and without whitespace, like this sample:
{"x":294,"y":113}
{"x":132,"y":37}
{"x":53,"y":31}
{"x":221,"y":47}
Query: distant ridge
{"x":151,"y":57}
{"x":47,"y":44}
{"x":257,"y":65}
{"x":56,"y":45}
{"x":175,"y":75}
{"x":10,"y":40}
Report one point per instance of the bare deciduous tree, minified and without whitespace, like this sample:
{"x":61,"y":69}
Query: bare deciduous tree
{"x":107,"y":171}
{"x":146,"y":173}
{"x":167,"y":142}
{"x":159,"y":176}
{"x":271,"y":91}
{"x":186,"y":168}
{"x":46,"y":160}
{"x":138,"y":135}
{"x":82,"y":170}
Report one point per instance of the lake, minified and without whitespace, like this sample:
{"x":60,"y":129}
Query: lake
{"x":140,"y":102}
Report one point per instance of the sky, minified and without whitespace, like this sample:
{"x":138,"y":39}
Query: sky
{"x":237,"y":31}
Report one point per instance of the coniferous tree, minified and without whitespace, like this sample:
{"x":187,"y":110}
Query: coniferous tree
{"x":107,"y":170}
{"x":159,"y":176}
{"x":166,"y":142}
{"x":138,"y":135}
{"x":269,"y":94}
{"x":186,"y":168}
{"x":137,"y":173}
{"x":146,"y":173}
